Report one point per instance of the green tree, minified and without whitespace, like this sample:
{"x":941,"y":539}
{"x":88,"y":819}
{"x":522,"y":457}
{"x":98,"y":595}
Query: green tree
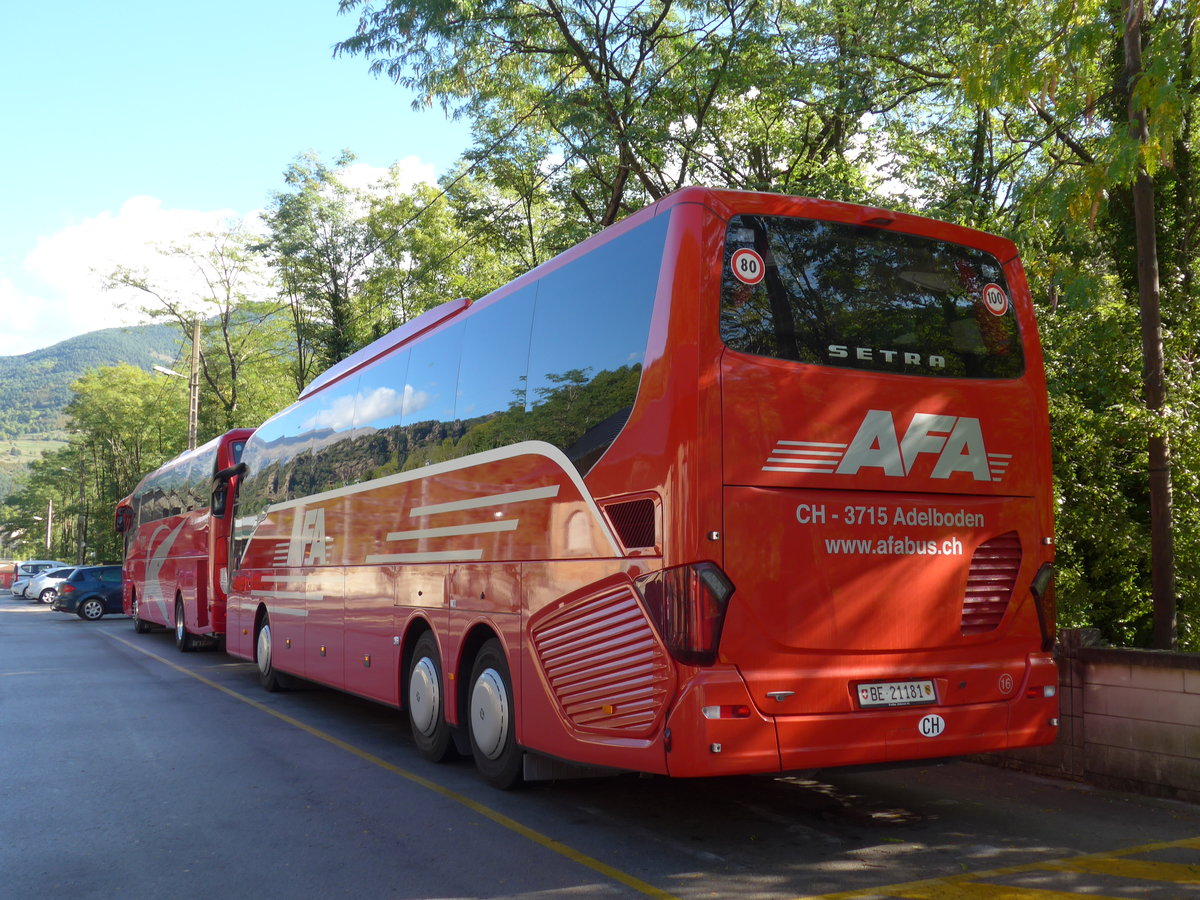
{"x":425,"y":254}
{"x":245,"y":335}
{"x":124,"y":423}
{"x":320,"y":248}
{"x":619,"y":93}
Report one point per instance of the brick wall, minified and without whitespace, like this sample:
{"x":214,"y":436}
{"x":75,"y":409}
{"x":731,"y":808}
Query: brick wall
{"x":1129,"y":719}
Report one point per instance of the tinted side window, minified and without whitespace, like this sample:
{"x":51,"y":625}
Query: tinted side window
{"x":589,"y":338}
{"x":490,"y":406}
{"x":325,"y":419}
{"x":200,"y":472}
{"x":428,"y":423}
{"x":271,"y":458}
{"x":377,"y":448}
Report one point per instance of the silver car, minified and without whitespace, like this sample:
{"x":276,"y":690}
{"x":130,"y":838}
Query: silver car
{"x":44,"y":587}
{"x":28,"y":569}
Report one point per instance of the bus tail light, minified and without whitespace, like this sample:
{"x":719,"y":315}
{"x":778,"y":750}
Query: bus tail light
{"x":687,"y":605}
{"x":1042,"y":589}
{"x":725,"y":712}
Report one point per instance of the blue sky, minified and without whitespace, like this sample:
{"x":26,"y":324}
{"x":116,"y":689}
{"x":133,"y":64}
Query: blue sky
{"x":134,"y":121}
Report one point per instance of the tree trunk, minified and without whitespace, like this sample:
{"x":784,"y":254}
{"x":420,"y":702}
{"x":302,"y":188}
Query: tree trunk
{"x":1162,"y":549}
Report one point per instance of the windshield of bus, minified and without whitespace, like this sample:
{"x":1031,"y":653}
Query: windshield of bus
{"x":866,"y":298}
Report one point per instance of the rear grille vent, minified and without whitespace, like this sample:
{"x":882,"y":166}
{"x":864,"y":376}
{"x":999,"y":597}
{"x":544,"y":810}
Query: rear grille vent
{"x":990,"y":583}
{"x":633,"y":520}
{"x":603,"y":663}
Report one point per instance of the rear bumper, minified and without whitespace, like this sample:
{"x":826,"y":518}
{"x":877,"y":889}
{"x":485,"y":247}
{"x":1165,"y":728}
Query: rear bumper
{"x":757,"y":743}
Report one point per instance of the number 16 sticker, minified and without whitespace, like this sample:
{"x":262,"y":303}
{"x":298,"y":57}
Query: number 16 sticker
{"x":748,"y":266}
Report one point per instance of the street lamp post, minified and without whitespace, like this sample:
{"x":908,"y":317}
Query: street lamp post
{"x":193,"y":384}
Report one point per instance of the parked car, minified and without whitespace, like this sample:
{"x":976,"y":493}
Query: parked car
{"x":44,"y":587}
{"x":26,"y":570}
{"x":90,"y":592}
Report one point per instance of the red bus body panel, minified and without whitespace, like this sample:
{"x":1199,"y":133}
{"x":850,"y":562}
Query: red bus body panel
{"x":184,"y":555}
{"x":841,"y":581}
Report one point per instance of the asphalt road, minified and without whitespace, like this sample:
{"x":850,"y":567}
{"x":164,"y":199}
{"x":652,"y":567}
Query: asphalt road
{"x":130,"y":770}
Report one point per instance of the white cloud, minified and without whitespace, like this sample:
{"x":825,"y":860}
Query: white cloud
{"x":61,"y":292}
{"x":405,"y":175}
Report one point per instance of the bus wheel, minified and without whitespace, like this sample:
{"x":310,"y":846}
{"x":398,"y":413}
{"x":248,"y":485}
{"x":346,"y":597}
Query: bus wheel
{"x":267,"y":676}
{"x":183,"y":638}
{"x":139,"y":626}
{"x":491,"y":715}
{"x":426,"y":711}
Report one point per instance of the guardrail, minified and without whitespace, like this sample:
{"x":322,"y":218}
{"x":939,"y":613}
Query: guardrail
{"x":1129,"y":719}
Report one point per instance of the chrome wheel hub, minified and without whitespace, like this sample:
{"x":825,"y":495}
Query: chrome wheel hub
{"x":264,"y":649}
{"x":424,"y":696}
{"x":489,"y":713}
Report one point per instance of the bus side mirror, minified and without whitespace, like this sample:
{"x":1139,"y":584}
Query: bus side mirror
{"x":123,"y":520}
{"x":220,"y":494}
{"x":231,"y":472}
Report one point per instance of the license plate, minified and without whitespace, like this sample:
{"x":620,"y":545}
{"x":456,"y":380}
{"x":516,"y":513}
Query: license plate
{"x":895,"y":693}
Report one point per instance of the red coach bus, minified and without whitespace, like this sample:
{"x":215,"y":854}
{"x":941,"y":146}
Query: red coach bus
{"x":745,"y":483}
{"x":177,"y":545}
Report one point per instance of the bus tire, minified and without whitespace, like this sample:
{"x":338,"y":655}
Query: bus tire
{"x":425,"y":701}
{"x":139,"y":626}
{"x":268,"y":677}
{"x":183,"y":638}
{"x":491,"y":719}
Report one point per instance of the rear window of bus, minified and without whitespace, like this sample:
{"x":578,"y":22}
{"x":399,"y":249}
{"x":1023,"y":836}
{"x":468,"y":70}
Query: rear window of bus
{"x":865,"y":298}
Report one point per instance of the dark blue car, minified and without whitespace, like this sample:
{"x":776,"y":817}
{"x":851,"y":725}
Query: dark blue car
{"x":90,"y":592}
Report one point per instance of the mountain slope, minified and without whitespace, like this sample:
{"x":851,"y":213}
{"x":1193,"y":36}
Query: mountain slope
{"x":35,"y":387}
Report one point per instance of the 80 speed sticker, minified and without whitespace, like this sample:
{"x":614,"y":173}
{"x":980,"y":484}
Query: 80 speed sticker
{"x":748,"y":267}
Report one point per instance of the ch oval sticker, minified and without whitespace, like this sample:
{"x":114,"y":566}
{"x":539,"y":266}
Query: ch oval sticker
{"x":932,"y":726}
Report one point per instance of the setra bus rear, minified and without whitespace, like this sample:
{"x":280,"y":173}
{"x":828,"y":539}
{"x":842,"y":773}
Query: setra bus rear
{"x":887,"y":528}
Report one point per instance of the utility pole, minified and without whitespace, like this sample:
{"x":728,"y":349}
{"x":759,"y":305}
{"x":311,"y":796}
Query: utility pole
{"x":194,"y":386}
{"x":49,"y":522}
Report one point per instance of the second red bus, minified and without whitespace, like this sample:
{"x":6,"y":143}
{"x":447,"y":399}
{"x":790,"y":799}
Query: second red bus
{"x":176,"y":549}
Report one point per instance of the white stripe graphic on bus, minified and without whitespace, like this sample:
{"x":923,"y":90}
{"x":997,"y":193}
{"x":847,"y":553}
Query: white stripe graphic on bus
{"x":525,"y":448}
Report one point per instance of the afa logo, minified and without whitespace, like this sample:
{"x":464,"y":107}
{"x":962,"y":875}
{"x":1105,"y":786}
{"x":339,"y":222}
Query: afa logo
{"x":954,"y":444}
{"x":307,"y":546}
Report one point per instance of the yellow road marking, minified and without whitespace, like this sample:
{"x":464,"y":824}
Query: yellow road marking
{"x":965,"y":884}
{"x":968,"y":890}
{"x":1147,"y":870}
{"x":499,"y":818}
